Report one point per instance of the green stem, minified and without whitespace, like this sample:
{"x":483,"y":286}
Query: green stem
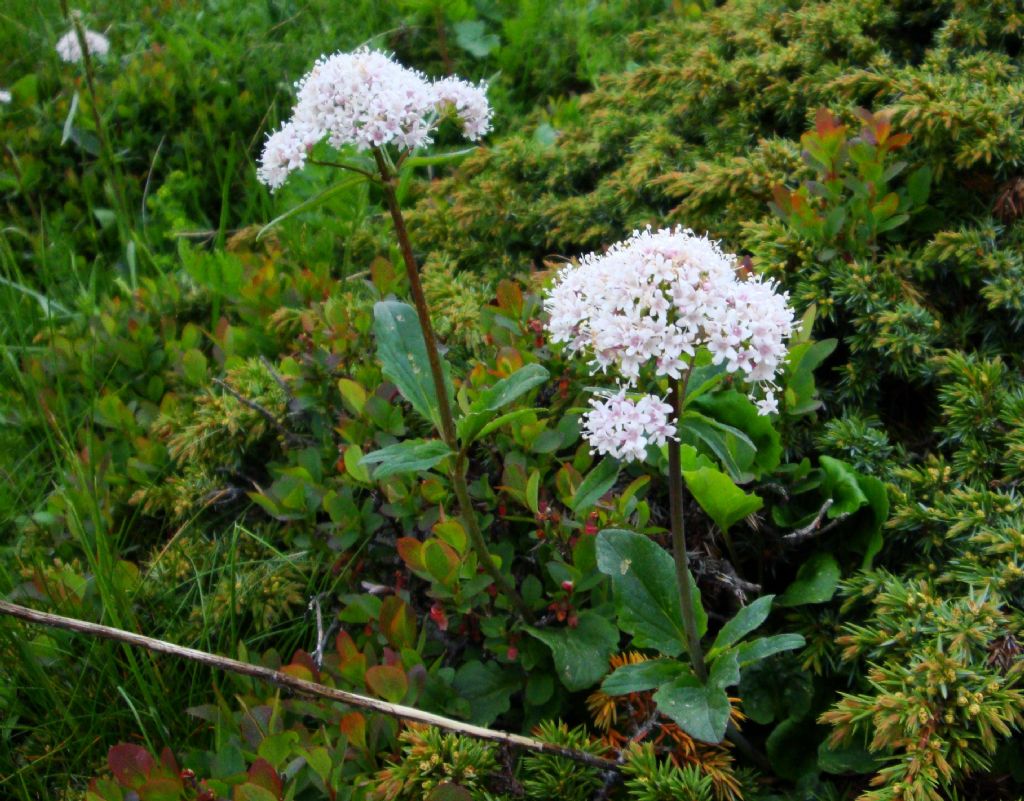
{"x":682,"y":559}
{"x":106,"y":151}
{"x":448,"y":433}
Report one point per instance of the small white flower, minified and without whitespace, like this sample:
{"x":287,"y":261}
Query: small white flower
{"x":368,"y":100}
{"x":69,"y":49}
{"x":655,"y":298}
{"x":5,"y":96}
{"x":768,"y":404}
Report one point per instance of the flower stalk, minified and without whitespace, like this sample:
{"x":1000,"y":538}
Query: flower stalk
{"x":680,"y":555}
{"x":448,"y":432}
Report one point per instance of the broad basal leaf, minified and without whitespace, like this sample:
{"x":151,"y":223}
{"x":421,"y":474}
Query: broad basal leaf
{"x":581,"y":653}
{"x":646,"y":595}
{"x":701,"y":711}
{"x":403,"y":357}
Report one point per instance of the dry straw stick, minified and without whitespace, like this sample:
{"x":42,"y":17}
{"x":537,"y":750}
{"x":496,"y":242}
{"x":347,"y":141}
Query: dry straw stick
{"x":302,"y":686}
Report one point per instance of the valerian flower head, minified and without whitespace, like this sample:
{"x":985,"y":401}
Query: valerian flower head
{"x":368,"y":100}
{"x":649,"y":303}
{"x":623,"y":427}
{"x":70,"y":49}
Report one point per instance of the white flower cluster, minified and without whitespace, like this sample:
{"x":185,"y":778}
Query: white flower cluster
{"x":5,"y":96}
{"x":623,"y":428}
{"x":69,"y":49}
{"x":656,"y":298}
{"x":368,"y":100}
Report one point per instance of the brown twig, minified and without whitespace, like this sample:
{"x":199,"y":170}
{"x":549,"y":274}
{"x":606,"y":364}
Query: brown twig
{"x":814,"y":528}
{"x":302,"y":686}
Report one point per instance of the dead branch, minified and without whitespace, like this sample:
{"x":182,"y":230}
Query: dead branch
{"x":302,"y":686}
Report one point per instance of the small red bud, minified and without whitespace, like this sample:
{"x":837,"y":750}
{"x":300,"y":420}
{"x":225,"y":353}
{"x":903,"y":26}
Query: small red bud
{"x":492,"y":591}
{"x":568,"y":585}
{"x":512,"y":653}
{"x":502,"y":511}
{"x":439,"y":617}
{"x":573,"y":621}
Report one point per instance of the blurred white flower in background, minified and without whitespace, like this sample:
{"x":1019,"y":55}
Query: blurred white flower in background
{"x":70,"y":50}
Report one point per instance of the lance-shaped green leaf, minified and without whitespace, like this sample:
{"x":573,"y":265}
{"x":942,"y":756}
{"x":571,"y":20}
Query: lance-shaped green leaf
{"x":597,"y":483}
{"x":403,"y":357}
{"x":735,"y":409}
{"x":742,"y":623}
{"x":646,"y":596}
{"x":409,"y":456}
{"x":310,"y":204}
{"x":734,"y":448}
{"x":495,"y":397}
{"x":647,"y":675}
{"x":763,"y":647}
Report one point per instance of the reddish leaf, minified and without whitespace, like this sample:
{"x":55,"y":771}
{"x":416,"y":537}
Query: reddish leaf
{"x":441,"y":560}
{"x":262,"y":774}
{"x":388,"y":682}
{"x":130,"y":764}
{"x":353,"y":726}
{"x":298,"y":671}
{"x":898,"y":140}
{"x":352,"y":664}
{"x":169,"y":762}
{"x":252,"y":792}
{"x":449,"y":792}
{"x":509,"y":360}
{"x":510,"y":297}
{"x":781,"y":196}
{"x":346,"y":648}
{"x":825,"y":122}
{"x":410,"y":550}
{"x":397,"y":623}
{"x":302,"y":658}
{"x":162,"y":788}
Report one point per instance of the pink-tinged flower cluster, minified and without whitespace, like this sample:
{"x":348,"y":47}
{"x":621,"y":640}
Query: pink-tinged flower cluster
{"x":647,"y":305}
{"x":657,"y":297}
{"x":70,"y":49}
{"x":623,"y":427}
{"x":368,"y":100}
